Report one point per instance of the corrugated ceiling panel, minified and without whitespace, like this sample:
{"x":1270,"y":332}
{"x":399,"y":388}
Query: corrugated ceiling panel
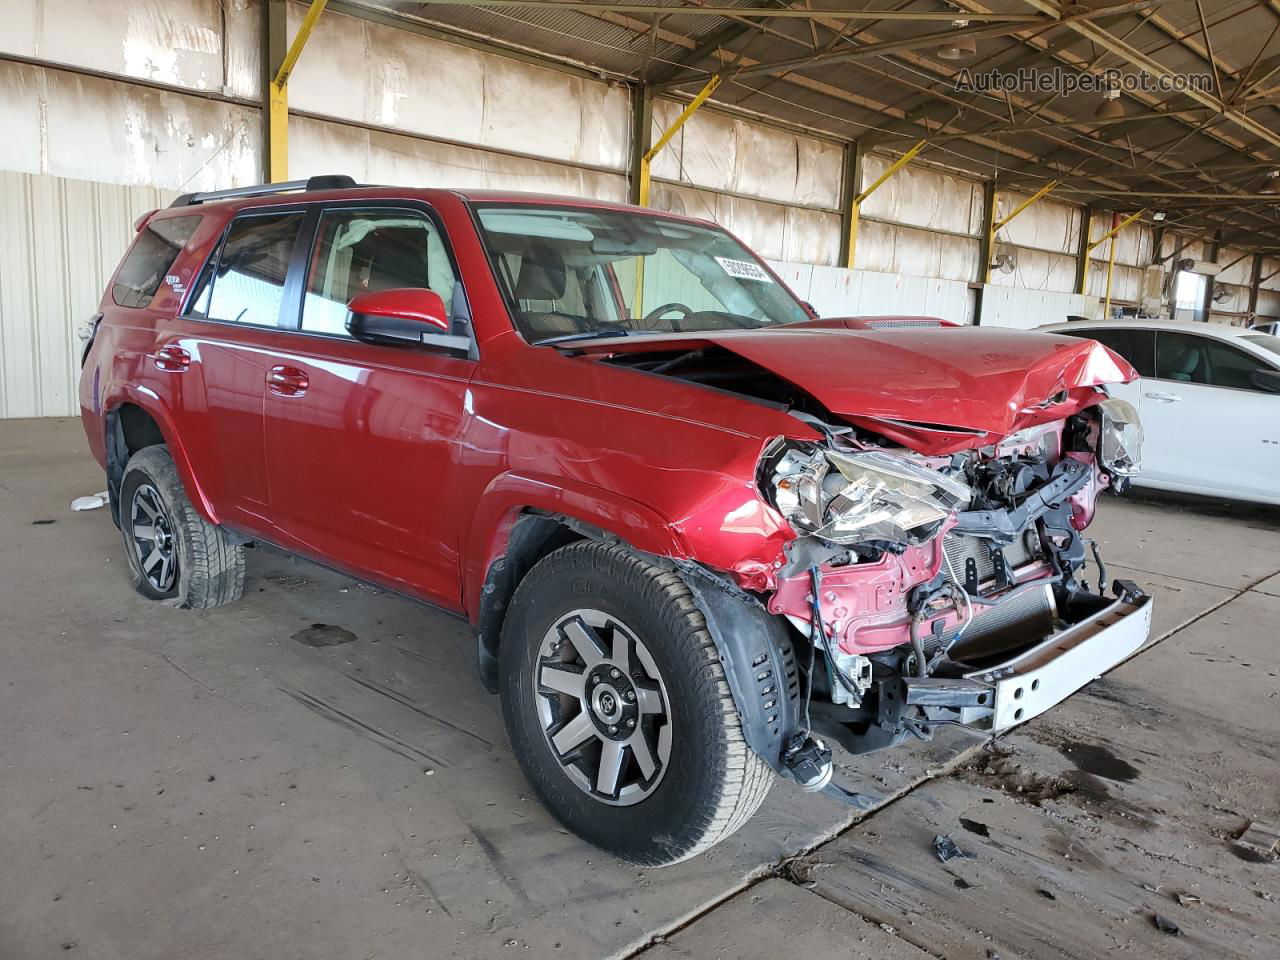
{"x":573,"y":35}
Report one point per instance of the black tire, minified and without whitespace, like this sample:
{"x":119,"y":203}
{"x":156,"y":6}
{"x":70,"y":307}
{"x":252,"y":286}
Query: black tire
{"x":712,"y":782}
{"x":207,"y":564}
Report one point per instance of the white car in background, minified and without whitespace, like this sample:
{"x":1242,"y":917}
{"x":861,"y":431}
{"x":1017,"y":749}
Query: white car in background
{"x":1209,"y":398}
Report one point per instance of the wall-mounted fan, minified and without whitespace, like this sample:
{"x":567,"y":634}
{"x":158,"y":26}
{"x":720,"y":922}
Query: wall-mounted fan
{"x":1006,"y":261}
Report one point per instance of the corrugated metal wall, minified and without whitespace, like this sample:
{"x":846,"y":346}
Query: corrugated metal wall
{"x":1133,"y":255}
{"x":836,"y":292}
{"x":60,"y":240}
{"x":1043,"y":240}
{"x":921,"y":223}
{"x":778,"y":191}
{"x":1269,"y":290}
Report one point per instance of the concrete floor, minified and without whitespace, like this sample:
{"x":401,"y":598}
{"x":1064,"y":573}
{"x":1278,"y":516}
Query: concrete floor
{"x":184,"y":784}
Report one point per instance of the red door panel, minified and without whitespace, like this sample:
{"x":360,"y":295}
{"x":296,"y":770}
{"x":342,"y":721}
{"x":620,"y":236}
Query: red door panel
{"x":217,"y":398}
{"x":361,"y":459}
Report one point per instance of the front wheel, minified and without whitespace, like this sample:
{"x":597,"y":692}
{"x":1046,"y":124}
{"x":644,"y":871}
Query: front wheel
{"x":618,"y":709}
{"x":175,"y":555}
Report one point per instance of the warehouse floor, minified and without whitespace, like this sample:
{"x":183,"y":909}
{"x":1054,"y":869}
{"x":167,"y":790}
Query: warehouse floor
{"x":218,"y":785}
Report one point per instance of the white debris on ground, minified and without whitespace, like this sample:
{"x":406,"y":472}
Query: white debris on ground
{"x":91,"y":502}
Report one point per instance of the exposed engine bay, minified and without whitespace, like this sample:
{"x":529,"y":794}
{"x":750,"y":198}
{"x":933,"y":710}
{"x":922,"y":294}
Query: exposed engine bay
{"x":910,"y":569}
{"x":938,"y":570}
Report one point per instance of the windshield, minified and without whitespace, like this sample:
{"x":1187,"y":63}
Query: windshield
{"x":573,"y":273}
{"x":1264,"y":340}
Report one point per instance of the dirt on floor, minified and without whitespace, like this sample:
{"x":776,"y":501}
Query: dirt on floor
{"x":316,"y":772}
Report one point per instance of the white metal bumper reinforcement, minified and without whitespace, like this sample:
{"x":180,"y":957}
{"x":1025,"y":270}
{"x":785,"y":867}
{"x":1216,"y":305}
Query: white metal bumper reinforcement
{"x":1013,"y":692}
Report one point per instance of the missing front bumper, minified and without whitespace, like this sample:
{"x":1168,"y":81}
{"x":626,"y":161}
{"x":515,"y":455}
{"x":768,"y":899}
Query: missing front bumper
{"x":998,"y":697}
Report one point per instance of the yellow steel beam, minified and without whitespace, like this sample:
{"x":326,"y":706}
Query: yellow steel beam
{"x":278,"y":97}
{"x":670,"y":132}
{"x":1038,"y":195}
{"x":855,"y":207}
{"x":995,"y":225}
{"x":1116,"y":229}
{"x":300,"y":41}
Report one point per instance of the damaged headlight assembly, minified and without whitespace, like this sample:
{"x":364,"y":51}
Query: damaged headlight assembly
{"x":849,"y":498}
{"x":1120,"y":437}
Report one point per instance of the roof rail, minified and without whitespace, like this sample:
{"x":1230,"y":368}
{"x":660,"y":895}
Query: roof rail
{"x":331,"y":181}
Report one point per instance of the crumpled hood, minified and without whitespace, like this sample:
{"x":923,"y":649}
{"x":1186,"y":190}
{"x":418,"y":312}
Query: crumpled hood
{"x":911,"y":385}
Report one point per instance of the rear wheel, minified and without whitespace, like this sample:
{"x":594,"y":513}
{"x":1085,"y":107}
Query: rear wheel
{"x":175,"y":555}
{"x":618,"y":709}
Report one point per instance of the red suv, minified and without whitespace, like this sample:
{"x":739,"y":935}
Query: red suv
{"x":700,"y":532}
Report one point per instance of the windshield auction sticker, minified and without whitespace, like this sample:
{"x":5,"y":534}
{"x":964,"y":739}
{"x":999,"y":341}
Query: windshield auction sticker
{"x":744,"y":270}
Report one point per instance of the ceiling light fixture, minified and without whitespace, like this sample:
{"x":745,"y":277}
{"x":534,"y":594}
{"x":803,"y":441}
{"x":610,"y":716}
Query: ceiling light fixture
{"x":1110,"y":108}
{"x":1272,"y":184}
{"x":961,"y":48}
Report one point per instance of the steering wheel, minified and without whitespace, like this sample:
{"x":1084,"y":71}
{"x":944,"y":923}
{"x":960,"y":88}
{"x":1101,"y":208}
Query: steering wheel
{"x":650,"y":319}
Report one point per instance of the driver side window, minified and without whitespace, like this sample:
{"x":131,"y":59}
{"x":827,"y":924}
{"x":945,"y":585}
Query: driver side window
{"x":363,"y":251}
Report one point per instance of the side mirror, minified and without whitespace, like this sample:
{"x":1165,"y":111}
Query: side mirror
{"x":1266,"y":380}
{"x":406,"y":316}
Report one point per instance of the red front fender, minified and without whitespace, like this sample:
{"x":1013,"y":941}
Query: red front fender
{"x":511,"y":494}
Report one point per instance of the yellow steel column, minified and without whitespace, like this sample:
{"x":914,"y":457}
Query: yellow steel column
{"x":1115,"y":228}
{"x":856,"y":207}
{"x":1082,"y":270}
{"x":1111,"y":265}
{"x":637,"y":305}
{"x":278,"y":98}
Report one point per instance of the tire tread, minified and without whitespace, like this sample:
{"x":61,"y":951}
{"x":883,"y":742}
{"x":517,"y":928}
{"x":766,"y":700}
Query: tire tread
{"x":212,"y":565}
{"x":743,"y":778}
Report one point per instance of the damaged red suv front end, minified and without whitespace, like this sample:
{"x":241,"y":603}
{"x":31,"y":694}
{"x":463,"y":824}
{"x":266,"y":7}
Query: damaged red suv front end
{"x":929,"y":543}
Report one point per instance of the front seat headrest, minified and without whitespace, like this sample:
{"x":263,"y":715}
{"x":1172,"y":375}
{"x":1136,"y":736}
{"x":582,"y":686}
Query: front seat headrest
{"x":1185,"y":363}
{"x":542,"y":274}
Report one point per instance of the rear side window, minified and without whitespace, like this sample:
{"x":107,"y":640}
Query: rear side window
{"x":150,"y":258}
{"x":1136,"y":346}
{"x":1188,"y":358}
{"x":247,"y":284}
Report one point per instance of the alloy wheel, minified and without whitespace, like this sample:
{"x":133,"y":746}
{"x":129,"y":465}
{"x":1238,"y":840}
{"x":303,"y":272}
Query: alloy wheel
{"x":603,"y":707}
{"x":154,"y":544}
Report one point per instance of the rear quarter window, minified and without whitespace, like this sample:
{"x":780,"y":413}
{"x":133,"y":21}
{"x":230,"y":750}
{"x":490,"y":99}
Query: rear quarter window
{"x":150,"y":258}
